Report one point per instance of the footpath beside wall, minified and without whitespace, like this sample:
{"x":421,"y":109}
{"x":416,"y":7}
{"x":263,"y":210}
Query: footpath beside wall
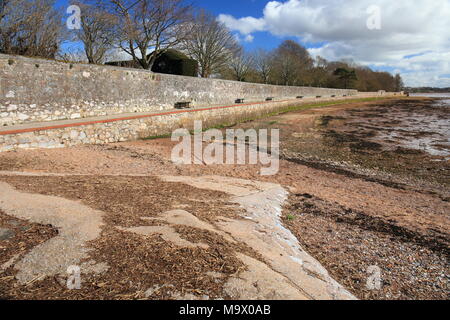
{"x":48,"y":104}
{"x":33,"y":90}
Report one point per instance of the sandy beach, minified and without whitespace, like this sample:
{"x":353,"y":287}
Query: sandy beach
{"x":367,"y":185}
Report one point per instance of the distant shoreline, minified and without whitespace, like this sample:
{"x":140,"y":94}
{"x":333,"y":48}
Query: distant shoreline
{"x":431,"y":94}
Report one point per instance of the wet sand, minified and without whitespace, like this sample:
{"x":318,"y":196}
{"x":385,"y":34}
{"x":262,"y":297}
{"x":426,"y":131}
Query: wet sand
{"x":386,"y":200}
{"x":397,"y":143}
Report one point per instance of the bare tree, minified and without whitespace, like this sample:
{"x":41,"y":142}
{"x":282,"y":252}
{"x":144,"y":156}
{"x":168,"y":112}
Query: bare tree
{"x":98,"y":30}
{"x":149,"y":27}
{"x":263,"y":64}
{"x":31,"y":27}
{"x":7,"y":28}
{"x":241,"y":65}
{"x":319,"y":73}
{"x":3,"y":5}
{"x":292,"y":62}
{"x":73,"y":54}
{"x":398,"y":83}
{"x":284,"y":66}
{"x":211,"y":43}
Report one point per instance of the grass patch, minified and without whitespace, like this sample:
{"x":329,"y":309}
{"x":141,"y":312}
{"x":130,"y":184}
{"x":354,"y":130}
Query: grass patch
{"x":161,"y":136}
{"x":304,"y":107}
{"x":320,"y":104}
{"x":279,"y":112}
{"x":290,"y":217}
{"x":221,"y":126}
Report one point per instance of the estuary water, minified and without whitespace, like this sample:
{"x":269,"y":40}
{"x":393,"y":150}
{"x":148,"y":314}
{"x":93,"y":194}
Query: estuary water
{"x":425,"y":129}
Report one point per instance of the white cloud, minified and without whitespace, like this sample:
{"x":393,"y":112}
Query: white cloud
{"x":408,"y":27}
{"x":245,"y":38}
{"x":432,"y":68}
{"x":245,"y":25}
{"x":249,"y":38}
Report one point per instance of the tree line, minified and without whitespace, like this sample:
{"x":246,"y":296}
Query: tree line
{"x":146,"y":29}
{"x":427,"y":90}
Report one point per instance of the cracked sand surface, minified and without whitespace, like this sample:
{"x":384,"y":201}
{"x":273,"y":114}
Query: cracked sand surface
{"x":184,"y":218}
{"x":76,"y":224}
{"x":286,"y":272}
{"x":262,"y":230}
{"x":261,"y":282}
{"x":167,"y":233}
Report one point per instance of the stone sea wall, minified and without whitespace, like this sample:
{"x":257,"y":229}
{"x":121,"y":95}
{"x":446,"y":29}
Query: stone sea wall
{"x":63,"y":134}
{"x":50,"y":104}
{"x":35,"y":90}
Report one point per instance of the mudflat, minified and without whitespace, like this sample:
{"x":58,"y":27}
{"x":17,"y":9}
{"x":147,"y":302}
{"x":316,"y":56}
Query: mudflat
{"x":364,"y":185}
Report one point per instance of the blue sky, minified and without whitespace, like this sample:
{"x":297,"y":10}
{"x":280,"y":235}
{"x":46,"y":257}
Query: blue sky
{"x":243,"y":8}
{"x":235,"y":8}
{"x":410,"y":37}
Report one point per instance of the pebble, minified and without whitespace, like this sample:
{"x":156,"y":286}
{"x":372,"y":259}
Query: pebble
{"x":6,"y":234}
